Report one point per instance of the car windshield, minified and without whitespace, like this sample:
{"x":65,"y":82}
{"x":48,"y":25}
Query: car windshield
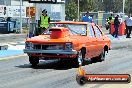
{"x":74,"y":29}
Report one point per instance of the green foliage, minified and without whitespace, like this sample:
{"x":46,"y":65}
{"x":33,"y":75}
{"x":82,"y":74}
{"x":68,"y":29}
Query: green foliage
{"x":128,"y":6}
{"x":72,"y":8}
{"x":118,"y":6}
{"x":71,"y":11}
{"x":87,"y":5}
{"x":96,"y":5}
{"x":112,"y":5}
{"x":108,"y":5}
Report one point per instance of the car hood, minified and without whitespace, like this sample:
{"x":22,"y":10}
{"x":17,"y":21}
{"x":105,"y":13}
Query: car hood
{"x":48,"y":39}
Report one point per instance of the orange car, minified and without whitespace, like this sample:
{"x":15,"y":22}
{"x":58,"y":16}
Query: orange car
{"x":75,"y":41}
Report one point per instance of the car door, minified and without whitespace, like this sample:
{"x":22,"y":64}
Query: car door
{"x":91,"y":42}
{"x":99,"y":39}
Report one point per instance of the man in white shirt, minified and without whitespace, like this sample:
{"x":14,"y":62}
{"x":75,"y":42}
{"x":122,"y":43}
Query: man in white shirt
{"x":128,"y":22}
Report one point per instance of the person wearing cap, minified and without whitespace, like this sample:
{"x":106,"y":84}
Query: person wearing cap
{"x":44,"y":21}
{"x":87,"y":18}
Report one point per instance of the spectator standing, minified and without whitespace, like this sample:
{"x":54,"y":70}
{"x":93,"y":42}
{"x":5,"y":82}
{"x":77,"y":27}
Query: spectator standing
{"x":87,"y":18}
{"x":116,"y":26}
{"x":128,"y":22}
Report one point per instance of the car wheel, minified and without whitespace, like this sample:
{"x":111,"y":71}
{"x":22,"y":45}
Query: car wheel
{"x":99,"y":58}
{"x":63,"y":62}
{"x":33,"y":60}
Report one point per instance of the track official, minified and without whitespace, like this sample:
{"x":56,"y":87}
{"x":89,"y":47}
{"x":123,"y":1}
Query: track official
{"x":44,"y":21}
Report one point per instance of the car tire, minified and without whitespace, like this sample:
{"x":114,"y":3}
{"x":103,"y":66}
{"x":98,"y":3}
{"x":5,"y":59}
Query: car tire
{"x":99,"y":58}
{"x":33,"y":60}
{"x":63,"y":62}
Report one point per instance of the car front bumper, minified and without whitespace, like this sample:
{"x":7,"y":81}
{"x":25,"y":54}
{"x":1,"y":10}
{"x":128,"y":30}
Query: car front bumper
{"x":68,"y":52}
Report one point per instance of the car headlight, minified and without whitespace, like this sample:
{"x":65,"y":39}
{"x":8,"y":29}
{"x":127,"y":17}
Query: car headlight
{"x":68,"y":46}
{"x":28,"y":45}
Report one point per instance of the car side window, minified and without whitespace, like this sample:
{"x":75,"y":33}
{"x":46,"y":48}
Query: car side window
{"x":90,"y":31}
{"x":97,"y":31}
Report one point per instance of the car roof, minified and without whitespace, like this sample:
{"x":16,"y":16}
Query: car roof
{"x":68,"y":22}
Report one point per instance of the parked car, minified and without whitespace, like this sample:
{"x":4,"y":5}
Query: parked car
{"x":74,"y":41}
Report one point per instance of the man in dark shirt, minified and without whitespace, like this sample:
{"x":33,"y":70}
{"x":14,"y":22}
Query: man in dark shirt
{"x":116,"y":26}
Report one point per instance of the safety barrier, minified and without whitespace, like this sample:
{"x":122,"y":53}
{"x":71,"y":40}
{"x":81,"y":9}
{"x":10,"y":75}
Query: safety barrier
{"x":121,"y":30}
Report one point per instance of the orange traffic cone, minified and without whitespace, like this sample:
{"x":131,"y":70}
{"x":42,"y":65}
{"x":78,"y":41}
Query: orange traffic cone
{"x":80,"y":77}
{"x":81,"y":71}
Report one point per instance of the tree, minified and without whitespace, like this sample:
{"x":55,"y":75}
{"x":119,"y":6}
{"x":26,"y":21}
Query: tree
{"x":71,"y":10}
{"x":112,"y":5}
{"x":118,"y":6}
{"x":72,"y":7}
{"x":85,"y":5}
{"x":88,"y":5}
{"x":128,"y":7}
{"x":108,"y":5}
{"x":96,"y":5}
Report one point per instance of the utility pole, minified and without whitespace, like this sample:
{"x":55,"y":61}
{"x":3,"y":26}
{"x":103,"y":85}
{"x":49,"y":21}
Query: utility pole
{"x":78,"y":10}
{"x":21,"y":16}
{"x":123,"y":10}
{"x":29,"y":19}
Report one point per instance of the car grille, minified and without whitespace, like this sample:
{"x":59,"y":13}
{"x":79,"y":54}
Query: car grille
{"x":48,"y":47}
